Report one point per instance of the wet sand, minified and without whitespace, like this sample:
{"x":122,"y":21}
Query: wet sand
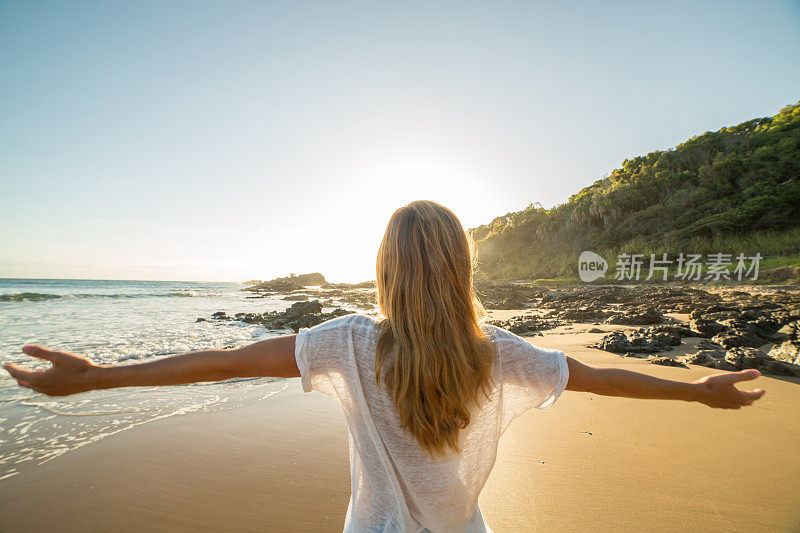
{"x":605,"y":464}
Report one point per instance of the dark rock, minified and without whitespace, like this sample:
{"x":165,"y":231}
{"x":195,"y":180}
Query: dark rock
{"x":764,"y":327}
{"x":351,"y":286}
{"x":220,"y":315}
{"x":706,"y":344}
{"x":649,"y":315}
{"x":738,"y":337}
{"x":787,"y":351}
{"x":788,"y":332}
{"x":276,"y":285}
{"x":296,"y":298}
{"x":584,"y":314}
{"x":705,"y":357}
{"x":304,"y":308}
{"x":724,"y":365}
{"x":706,"y":328}
{"x":522,"y":325}
{"x":636,"y":342}
{"x":358,"y":298}
{"x":666,"y":361}
{"x":299,"y":315}
{"x":288,"y":283}
{"x":675,"y":329}
{"x":780,"y":368}
{"x":506,"y":295}
{"x":506,"y":303}
{"x":743,"y":358}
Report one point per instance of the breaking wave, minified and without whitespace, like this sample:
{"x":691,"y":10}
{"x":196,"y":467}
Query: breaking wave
{"x":41,"y":296}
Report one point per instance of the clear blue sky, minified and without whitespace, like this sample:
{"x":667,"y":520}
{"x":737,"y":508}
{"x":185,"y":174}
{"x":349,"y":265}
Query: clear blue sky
{"x":236,"y":140}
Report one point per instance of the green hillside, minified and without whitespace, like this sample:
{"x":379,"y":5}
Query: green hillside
{"x":729,"y":191}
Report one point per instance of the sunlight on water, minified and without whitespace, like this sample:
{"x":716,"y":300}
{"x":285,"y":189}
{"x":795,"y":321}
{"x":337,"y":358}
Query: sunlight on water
{"x":115,"y":322}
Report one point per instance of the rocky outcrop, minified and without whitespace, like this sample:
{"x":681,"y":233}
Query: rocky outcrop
{"x":666,"y":361}
{"x":299,"y":315}
{"x":743,"y":358}
{"x":787,"y":351}
{"x":641,"y":341}
{"x":525,"y":325}
{"x":288,"y":283}
{"x":733,"y":338}
{"x":296,"y":298}
{"x":706,"y":328}
{"x":637,"y":317}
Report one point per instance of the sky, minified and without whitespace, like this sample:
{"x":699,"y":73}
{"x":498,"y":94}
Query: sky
{"x":247,"y":140}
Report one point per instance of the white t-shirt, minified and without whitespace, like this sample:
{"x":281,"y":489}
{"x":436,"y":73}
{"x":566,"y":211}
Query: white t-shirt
{"x":396,"y":486}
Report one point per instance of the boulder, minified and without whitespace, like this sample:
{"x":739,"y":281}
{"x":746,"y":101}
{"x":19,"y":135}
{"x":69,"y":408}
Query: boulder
{"x":675,"y":329}
{"x":299,"y":315}
{"x":780,"y":368}
{"x":523,"y":325}
{"x":706,"y":344}
{"x":666,"y":361}
{"x":743,"y":358}
{"x":584,"y":314}
{"x":296,"y":298}
{"x":636,"y":342}
{"x":787,"y":351}
{"x":788,"y":332}
{"x":707,"y":358}
{"x":738,"y":337}
{"x":706,"y":328}
{"x":304,"y":308}
{"x":637,"y":317}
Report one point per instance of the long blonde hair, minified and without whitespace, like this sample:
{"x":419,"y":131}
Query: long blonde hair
{"x":442,"y":359}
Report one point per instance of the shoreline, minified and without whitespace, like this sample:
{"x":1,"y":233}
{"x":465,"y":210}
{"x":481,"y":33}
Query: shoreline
{"x":590,"y":461}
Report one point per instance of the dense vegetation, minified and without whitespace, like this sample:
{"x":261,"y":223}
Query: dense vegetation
{"x":730,"y":191}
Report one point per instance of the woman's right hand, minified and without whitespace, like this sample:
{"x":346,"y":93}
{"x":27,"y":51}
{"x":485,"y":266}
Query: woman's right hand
{"x":69,"y":373}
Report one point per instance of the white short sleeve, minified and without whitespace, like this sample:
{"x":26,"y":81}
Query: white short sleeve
{"x":531,"y":377}
{"x":301,"y":357}
{"x":324,"y":355}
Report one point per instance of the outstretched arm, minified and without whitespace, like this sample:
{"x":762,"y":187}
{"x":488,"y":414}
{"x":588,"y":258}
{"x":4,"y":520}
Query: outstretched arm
{"x":717,"y":390}
{"x":70,"y":374}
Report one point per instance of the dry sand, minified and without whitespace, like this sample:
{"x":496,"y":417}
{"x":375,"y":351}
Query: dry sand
{"x":589,"y":463}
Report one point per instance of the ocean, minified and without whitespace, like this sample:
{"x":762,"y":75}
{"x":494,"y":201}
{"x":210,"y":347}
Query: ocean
{"x":115,"y":322}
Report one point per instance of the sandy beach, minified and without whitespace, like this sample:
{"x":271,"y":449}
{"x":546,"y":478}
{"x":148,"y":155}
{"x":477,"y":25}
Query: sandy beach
{"x":591,"y":462}
{"x":188,"y":188}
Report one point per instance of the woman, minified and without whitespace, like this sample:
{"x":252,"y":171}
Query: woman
{"x":427,"y":391}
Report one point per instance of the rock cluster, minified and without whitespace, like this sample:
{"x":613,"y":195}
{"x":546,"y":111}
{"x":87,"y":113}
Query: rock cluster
{"x":525,"y":325}
{"x":733,"y":324}
{"x":641,"y":341}
{"x":743,"y":358}
{"x":637,"y":317}
{"x":788,"y":350}
{"x":666,"y":361}
{"x":731,"y":327}
{"x":286,"y":284}
{"x":299,"y":315}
